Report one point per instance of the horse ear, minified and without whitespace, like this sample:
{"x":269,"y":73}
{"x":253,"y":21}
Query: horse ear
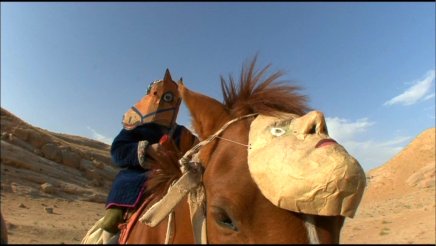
{"x":207,"y":113}
{"x":167,"y":76}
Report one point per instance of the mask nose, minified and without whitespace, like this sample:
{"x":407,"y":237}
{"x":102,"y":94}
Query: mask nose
{"x":310,"y":123}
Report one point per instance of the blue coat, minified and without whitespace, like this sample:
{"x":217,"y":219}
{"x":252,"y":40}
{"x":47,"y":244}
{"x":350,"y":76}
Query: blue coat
{"x":129,"y":185}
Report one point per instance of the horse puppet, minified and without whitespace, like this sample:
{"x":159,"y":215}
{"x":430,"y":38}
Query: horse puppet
{"x":265,"y":171}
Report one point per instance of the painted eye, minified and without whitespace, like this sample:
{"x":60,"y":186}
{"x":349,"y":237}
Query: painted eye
{"x":276,"y":131}
{"x":168,"y":97}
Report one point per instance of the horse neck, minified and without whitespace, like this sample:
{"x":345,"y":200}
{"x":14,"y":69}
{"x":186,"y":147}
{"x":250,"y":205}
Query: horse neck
{"x":181,"y":229}
{"x":183,"y":233}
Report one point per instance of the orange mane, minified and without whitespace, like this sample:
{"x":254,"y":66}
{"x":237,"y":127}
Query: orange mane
{"x":267,"y":96}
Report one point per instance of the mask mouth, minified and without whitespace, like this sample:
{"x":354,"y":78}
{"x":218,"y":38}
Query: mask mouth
{"x":127,"y":120}
{"x":129,"y":127}
{"x":325,"y":142}
{"x":156,"y":117}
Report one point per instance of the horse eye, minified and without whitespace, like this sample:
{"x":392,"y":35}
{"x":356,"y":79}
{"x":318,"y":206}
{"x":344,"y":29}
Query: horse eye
{"x":224,"y":220}
{"x":168,"y":97}
{"x":276,"y":131}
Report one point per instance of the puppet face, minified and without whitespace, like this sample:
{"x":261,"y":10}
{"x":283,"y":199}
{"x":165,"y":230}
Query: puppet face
{"x":160,"y":105}
{"x":298,"y":167}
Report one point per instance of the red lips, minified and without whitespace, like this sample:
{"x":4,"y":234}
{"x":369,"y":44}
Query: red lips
{"x":325,"y":142}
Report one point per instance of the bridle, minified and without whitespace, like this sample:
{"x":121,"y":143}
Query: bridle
{"x":190,"y":183}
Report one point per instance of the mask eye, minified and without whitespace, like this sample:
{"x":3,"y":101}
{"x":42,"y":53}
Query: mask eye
{"x":168,"y":97}
{"x":276,"y":131}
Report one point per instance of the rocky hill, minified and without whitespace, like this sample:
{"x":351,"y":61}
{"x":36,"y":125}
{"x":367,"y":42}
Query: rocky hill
{"x":53,"y":185}
{"x":398,"y":205}
{"x":411,"y":169}
{"x":42,"y":163}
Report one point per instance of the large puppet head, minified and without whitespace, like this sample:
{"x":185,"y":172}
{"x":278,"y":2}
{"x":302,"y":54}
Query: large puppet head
{"x":289,"y":161}
{"x":160,"y":105}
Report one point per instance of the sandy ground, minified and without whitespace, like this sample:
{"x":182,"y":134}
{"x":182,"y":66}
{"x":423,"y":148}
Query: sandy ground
{"x":29,"y":222}
{"x":409,"y":219}
{"x":404,"y":220}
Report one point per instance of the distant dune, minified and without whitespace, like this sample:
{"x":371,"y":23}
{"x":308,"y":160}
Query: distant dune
{"x":413,"y":167}
{"x":398,"y":205}
{"x":54,"y":185}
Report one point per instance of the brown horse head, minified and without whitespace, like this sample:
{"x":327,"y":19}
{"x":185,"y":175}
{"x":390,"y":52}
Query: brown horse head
{"x":262,"y":189}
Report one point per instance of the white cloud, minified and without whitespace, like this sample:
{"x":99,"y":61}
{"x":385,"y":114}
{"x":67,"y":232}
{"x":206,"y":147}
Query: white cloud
{"x":417,"y":92}
{"x":428,"y":97}
{"x":369,"y":153}
{"x":99,"y":137}
{"x":344,"y":130}
{"x":393,"y":142}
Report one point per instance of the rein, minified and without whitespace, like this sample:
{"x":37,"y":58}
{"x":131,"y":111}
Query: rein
{"x":190,"y":183}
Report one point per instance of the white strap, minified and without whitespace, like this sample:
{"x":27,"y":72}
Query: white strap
{"x":197,"y":209}
{"x":175,"y":194}
{"x":309,"y":222}
{"x":170,"y":229}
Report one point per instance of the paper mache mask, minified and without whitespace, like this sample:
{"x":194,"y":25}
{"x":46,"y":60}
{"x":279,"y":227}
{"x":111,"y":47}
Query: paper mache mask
{"x":298,"y":167}
{"x":160,"y":105}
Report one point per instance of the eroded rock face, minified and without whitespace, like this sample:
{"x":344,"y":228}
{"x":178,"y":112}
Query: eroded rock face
{"x":70,"y":158}
{"x":424,"y":177}
{"x":52,"y":152}
{"x":48,"y":188}
{"x":21,"y":133}
{"x":37,"y":139}
{"x":39,"y":162}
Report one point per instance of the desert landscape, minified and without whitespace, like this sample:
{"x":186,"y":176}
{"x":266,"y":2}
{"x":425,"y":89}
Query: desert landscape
{"x":54,"y":185}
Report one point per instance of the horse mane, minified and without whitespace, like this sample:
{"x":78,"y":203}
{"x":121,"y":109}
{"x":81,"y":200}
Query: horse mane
{"x":164,"y":171}
{"x":253,"y":94}
{"x":268,"y":96}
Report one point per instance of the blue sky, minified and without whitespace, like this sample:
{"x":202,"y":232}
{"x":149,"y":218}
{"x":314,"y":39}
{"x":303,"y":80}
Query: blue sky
{"x":76,"y":67}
